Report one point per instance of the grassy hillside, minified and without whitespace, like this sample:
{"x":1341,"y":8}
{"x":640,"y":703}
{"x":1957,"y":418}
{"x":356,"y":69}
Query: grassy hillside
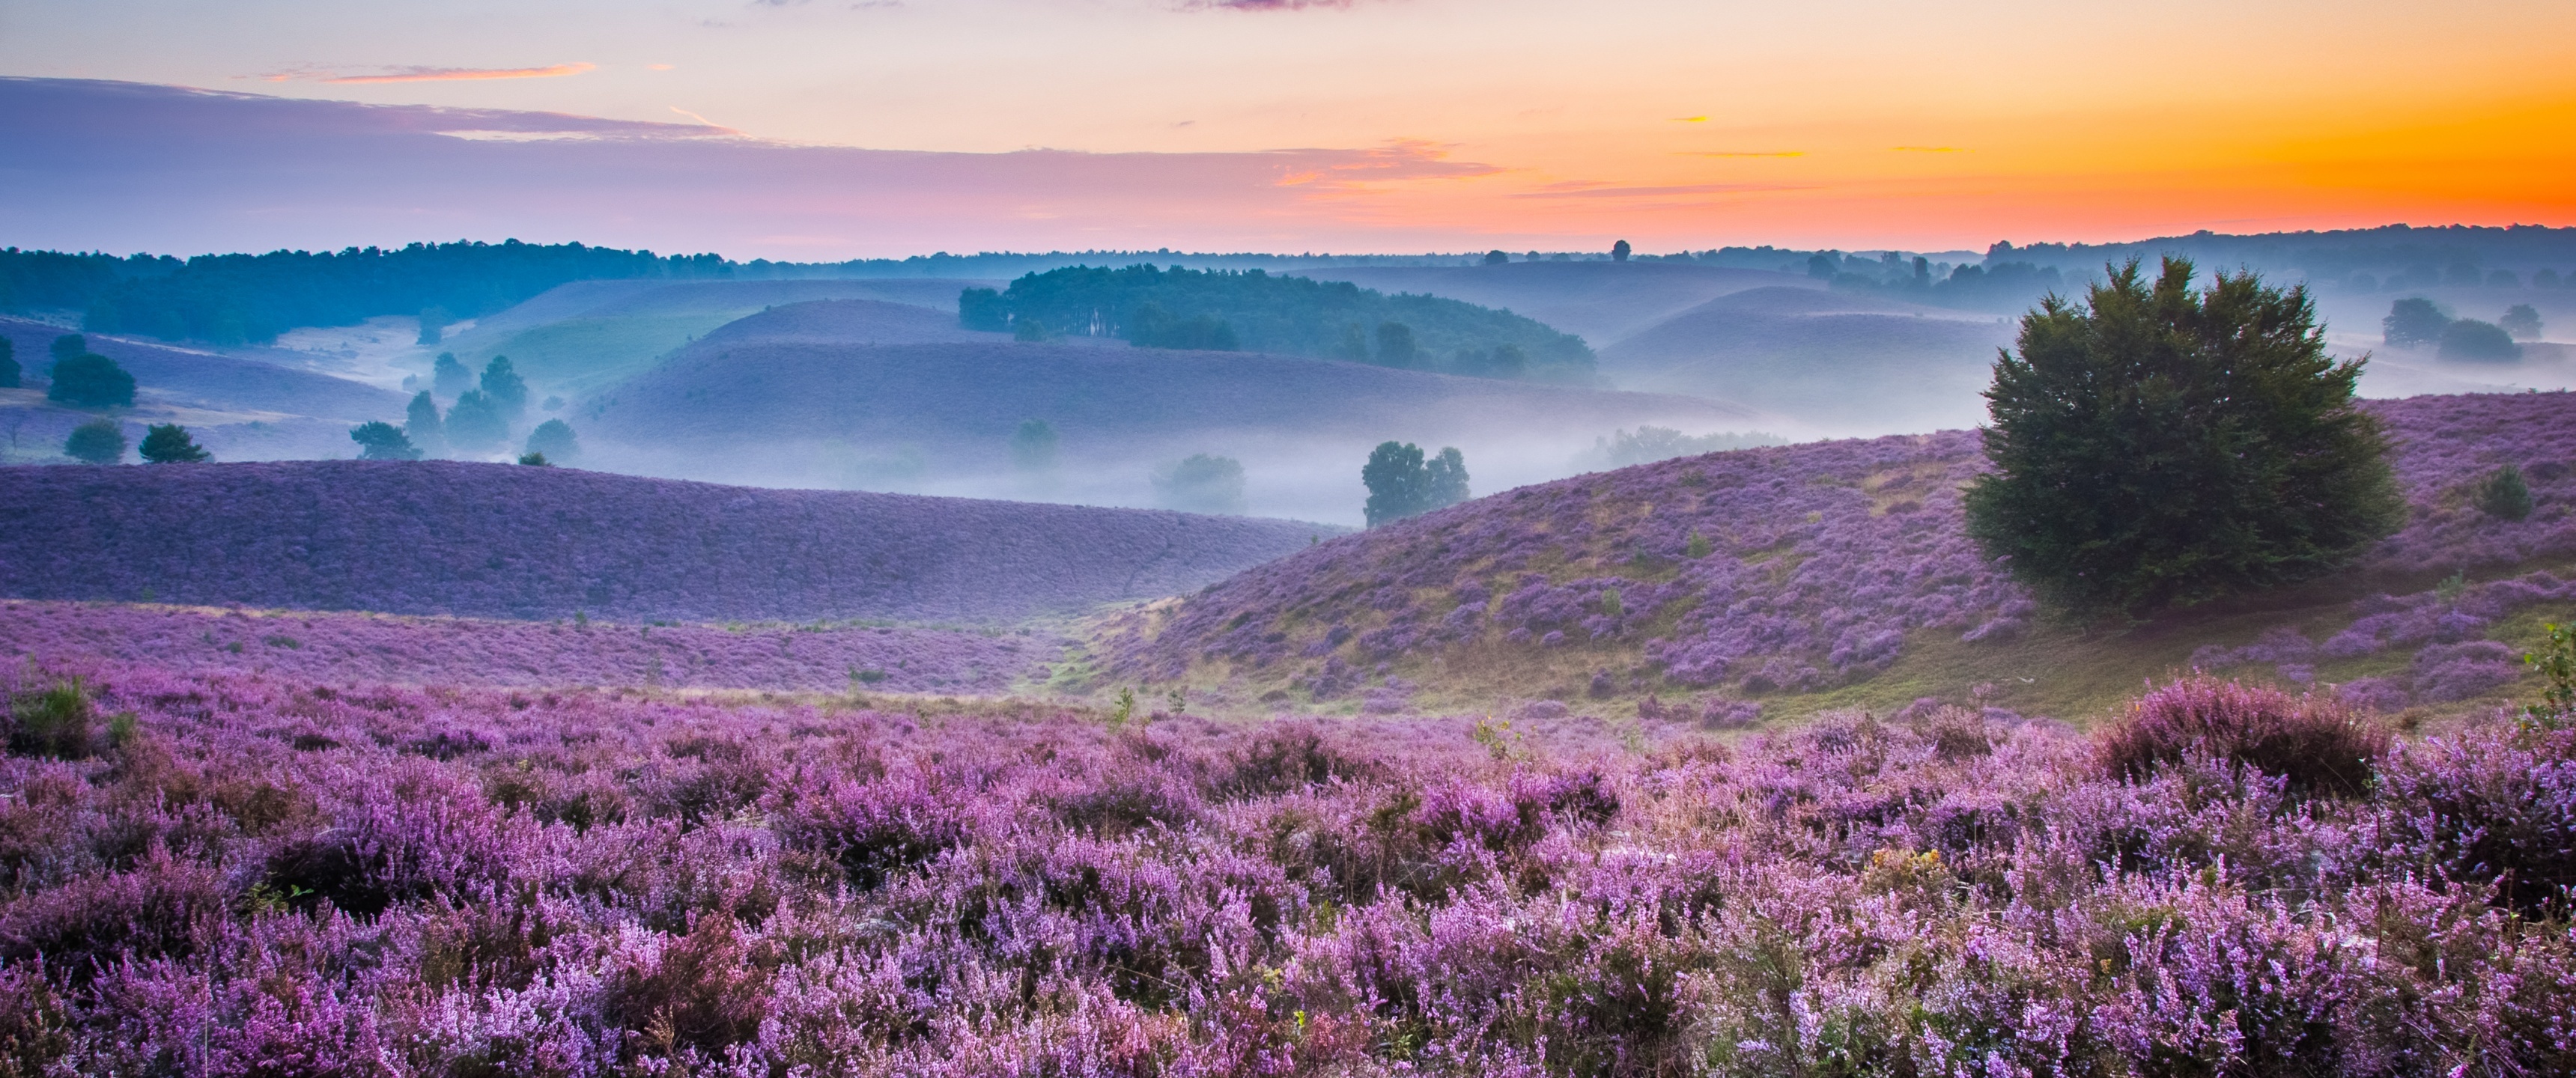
{"x":505,"y":541}
{"x":1781,"y":582}
{"x":240,"y":409}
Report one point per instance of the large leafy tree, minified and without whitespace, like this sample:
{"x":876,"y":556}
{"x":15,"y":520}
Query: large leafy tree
{"x":91,"y":380}
{"x":169,"y":443}
{"x":1403,"y":483}
{"x":2162,"y":445}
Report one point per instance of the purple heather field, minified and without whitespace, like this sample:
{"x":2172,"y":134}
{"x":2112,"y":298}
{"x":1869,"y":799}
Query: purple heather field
{"x":1822,"y":559}
{"x":226,"y":874}
{"x":432,"y":537}
{"x":384,"y":649}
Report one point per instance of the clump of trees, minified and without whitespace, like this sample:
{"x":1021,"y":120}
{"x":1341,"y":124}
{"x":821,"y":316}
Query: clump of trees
{"x":2413,"y":322}
{"x":422,"y":425}
{"x":85,"y":379}
{"x":1202,"y":483}
{"x":1401,"y":483}
{"x":169,"y":443}
{"x":2476,"y":341}
{"x":2522,"y":321}
{"x":2157,"y":445}
{"x":380,"y":440}
{"x":554,"y":441}
{"x":1225,"y":311}
{"x":98,"y":441}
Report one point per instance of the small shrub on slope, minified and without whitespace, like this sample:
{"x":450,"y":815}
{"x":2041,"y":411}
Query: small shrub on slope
{"x":2318,"y":743}
{"x":169,"y":443}
{"x":2505,"y":495}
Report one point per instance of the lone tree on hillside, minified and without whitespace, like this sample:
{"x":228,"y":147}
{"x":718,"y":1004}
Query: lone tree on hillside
{"x":508,"y":391}
{"x":1402,"y":484}
{"x":382,"y":441}
{"x":168,"y":443}
{"x":1496,"y":258}
{"x":1619,"y":251}
{"x":553,"y":440}
{"x":450,"y":378}
{"x":91,"y":380}
{"x":1033,"y":446}
{"x":1202,"y":484}
{"x":96,"y":442}
{"x":2157,"y":446}
{"x":422,"y":425}
{"x":2411,"y":322}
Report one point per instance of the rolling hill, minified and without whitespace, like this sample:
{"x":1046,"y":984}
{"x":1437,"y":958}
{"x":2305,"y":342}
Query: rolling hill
{"x":1838,"y":574}
{"x":1601,"y":302}
{"x":506,"y":541}
{"x":241,"y":409}
{"x":795,"y":412}
{"x":582,"y":337}
{"x":1837,"y":362}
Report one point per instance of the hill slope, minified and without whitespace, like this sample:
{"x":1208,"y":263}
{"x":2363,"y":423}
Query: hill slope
{"x":796,"y":413}
{"x":1836,"y":362}
{"x":1601,"y":302}
{"x":1840,"y":574}
{"x":506,"y":541}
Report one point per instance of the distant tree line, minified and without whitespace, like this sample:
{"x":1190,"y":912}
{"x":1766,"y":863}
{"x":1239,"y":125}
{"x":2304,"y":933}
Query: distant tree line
{"x":240,"y":298}
{"x":1219,"y":310}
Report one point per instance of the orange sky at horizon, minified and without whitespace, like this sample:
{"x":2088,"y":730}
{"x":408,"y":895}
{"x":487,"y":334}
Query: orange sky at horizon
{"x":1673,"y":124}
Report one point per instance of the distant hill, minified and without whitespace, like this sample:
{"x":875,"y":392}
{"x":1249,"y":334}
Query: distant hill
{"x":508,"y":541}
{"x":1788,"y":580}
{"x":583,"y":337}
{"x":1837,"y":362}
{"x":1602,"y":302}
{"x":796,"y":412}
{"x":240,"y":409}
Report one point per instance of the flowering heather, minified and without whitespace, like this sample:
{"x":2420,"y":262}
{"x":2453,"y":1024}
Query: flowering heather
{"x":1805,"y":567}
{"x":433,"y":537}
{"x":371,"y":648}
{"x":220,"y":874}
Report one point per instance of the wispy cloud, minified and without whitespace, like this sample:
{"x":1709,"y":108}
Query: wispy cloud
{"x":1740,"y":153}
{"x":1600,"y":189}
{"x":428,"y":74}
{"x":1927,"y":149}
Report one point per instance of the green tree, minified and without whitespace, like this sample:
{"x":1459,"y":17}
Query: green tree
{"x":1354,"y":345}
{"x":98,"y":441}
{"x":1496,"y":258}
{"x":983,"y":309}
{"x":1619,"y":251}
{"x":1028,"y":329}
{"x":535,"y":459}
{"x":169,"y":443}
{"x":1202,"y":484}
{"x":422,"y":425}
{"x":450,"y":378}
{"x":2480,"y":342}
{"x":475,"y":424}
{"x":2522,"y":321}
{"x":1033,"y":446}
{"x":382,"y":441}
{"x":553,"y":440}
{"x":91,"y":381}
{"x":2504,"y":494}
{"x":434,"y":321}
{"x":2156,"y":445}
{"x":508,"y":391}
{"x":9,"y":371}
{"x":1401,"y":483}
{"x":1445,"y":480}
{"x":1395,"y":345}
{"x":2412,"y":321}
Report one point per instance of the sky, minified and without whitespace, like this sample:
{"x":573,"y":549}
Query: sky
{"x":1378,"y":125}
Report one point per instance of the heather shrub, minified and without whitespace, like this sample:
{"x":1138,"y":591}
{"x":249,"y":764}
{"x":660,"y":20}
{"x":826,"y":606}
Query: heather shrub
{"x":2492,"y":806}
{"x":1284,"y":759}
{"x":2318,"y":743}
{"x":57,"y":721}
